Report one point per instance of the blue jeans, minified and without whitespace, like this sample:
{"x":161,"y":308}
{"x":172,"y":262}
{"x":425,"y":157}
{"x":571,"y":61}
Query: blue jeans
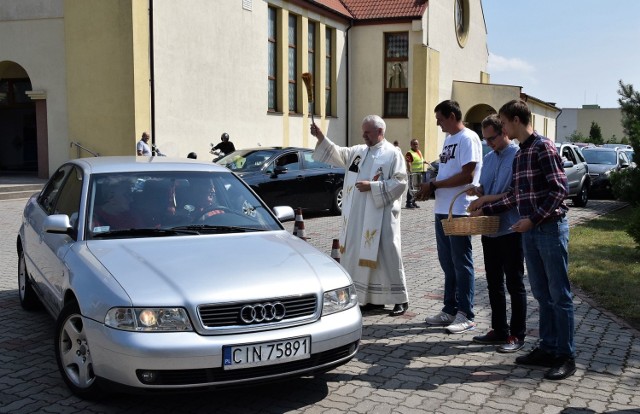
{"x":547,"y":259}
{"x":456,"y":260}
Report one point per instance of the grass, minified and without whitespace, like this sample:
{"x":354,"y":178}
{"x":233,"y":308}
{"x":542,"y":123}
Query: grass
{"x":605,"y":263}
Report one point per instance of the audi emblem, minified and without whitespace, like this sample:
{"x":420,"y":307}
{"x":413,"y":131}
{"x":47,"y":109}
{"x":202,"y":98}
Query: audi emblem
{"x":262,"y":312}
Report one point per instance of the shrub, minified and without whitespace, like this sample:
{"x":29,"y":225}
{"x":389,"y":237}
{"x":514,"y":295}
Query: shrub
{"x":633,"y":228}
{"x":625,"y":185}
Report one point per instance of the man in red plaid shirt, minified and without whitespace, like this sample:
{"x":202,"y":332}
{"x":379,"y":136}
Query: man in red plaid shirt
{"x":538,"y":190}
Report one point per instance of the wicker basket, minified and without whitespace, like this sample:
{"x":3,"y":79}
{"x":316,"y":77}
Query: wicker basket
{"x":468,"y":226}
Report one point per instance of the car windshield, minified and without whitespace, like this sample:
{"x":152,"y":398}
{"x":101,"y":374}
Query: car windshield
{"x":247,"y":160}
{"x":600,"y":157}
{"x":630,"y":154}
{"x":171,"y":203}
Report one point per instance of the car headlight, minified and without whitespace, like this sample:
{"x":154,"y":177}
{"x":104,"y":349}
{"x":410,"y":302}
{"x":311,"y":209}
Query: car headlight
{"x":607,"y":173}
{"x":148,"y":319}
{"x":339,"y":299}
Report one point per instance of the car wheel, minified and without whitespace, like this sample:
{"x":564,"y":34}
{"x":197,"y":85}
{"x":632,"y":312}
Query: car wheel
{"x":337,"y":201}
{"x":580,"y":200}
{"x":73,"y":354}
{"x":28,"y":298}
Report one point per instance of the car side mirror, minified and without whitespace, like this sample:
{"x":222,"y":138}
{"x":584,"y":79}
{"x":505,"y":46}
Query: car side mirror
{"x":280,"y":170}
{"x":624,"y":165}
{"x":568,"y":164}
{"x":284,"y":213}
{"x":57,"y":224}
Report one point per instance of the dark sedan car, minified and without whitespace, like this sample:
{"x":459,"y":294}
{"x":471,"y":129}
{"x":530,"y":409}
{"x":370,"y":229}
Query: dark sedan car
{"x":602,"y":162}
{"x":288,"y":176}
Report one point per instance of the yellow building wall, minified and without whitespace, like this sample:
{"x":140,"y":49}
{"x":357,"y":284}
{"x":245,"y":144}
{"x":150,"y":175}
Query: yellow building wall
{"x":107,"y":74}
{"x":426,"y":79}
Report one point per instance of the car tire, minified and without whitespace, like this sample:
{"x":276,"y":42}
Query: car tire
{"x":28,"y":298}
{"x":581,"y":199}
{"x":73,"y":354}
{"x":336,"y":208}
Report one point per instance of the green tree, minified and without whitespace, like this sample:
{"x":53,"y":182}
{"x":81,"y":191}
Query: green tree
{"x":595,"y":134}
{"x":626,"y":183}
{"x":575,"y":136}
{"x":630,"y":105}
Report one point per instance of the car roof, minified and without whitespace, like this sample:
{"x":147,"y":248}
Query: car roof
{"x":275,"y":149}
{"x":107,"y":164}
{"x":607,"y":149}
{"x":619,"y":146}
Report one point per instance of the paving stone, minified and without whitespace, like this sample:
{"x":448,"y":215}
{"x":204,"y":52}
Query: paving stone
{"x":403,"y":365}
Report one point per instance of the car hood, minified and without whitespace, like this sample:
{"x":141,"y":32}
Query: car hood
{"x":192,"y":270}
{"x":600,"y":168}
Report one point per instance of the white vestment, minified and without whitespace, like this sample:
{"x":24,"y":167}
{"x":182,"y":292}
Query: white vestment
{"x":370,"y":232}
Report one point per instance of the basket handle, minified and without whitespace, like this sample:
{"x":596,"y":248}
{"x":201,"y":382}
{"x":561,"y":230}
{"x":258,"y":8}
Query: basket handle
{"x":454,"y":200}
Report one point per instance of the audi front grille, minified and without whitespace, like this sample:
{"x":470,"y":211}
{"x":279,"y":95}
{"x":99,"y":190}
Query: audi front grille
{"x":235,"y":314}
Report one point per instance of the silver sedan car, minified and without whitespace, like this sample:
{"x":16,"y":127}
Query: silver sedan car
{"x":171,"y":273}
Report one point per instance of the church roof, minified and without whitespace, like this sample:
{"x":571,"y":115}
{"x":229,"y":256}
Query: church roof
{"x":335,"y":5}
{"x":385,"y":9}
{"x":375,"y":9}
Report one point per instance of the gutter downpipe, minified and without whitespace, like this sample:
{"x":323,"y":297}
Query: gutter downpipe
{"x":151,"y":80}
{"x":346,"y":35}
{"x":558,"y":116}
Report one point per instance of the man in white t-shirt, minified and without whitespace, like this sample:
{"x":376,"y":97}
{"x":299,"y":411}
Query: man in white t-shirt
{"x":460,"y":163}
{"x":143,"y":147}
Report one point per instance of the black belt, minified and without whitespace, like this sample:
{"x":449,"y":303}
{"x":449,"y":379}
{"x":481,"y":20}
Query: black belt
{"x":550,"y":219}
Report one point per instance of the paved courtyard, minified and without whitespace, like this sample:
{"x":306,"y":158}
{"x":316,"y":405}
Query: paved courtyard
{"x":403,"y":366}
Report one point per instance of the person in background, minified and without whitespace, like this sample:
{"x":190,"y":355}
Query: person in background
{"x":225,"y":146}
{"x":503,"y":257}
{"x":460,"y":163}
{"x":113,"y":207}
{"x":538,"y":189}
{"x":415,"y":165}
{"x":375,"y":180}
{"x":143,"y":147}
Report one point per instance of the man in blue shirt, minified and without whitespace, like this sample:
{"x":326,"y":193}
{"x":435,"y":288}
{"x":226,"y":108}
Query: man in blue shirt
{"x":503,"y":257}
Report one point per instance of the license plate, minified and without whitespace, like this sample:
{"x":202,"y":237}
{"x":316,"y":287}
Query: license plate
{"x":266,"y":353}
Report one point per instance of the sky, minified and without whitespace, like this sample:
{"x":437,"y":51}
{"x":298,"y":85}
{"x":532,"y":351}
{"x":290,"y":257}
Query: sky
{"x":570,"y":52}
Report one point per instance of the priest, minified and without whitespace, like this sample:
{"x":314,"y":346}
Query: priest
{"x":375,"y":180}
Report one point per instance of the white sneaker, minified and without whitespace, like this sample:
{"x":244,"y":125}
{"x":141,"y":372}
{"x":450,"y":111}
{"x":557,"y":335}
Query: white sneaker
{"x":461,"y":324}
{"x":441,"y":319}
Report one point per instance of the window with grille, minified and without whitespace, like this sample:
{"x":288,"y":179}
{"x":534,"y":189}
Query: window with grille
{"x":272,"y":70}
{"x":396,"y":92}
{"x":312,"y":60}
{"x":328,"y":61}
{"x":293,"y":63}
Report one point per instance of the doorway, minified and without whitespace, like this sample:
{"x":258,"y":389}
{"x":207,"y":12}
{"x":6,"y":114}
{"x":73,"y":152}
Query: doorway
{"x":18,"y":128}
